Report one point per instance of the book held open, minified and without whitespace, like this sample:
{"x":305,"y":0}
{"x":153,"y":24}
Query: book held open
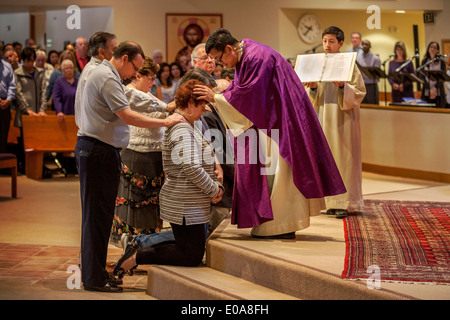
{"x":325,"y":67}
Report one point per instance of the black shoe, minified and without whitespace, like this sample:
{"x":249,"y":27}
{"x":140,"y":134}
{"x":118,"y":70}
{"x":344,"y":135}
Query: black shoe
{"x":340,"y":214}
{"x":106,"y":288}
{"x":331,"y":212}
{"x":290,"y":235}
{"x":114,"y":281}
{"x":129,"y":251}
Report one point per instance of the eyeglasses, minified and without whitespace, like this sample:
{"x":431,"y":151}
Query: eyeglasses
{"x":219,"y":61}
{"x":146,"y":75}
{"x":205,"y":58}
{"x":135,"y":69}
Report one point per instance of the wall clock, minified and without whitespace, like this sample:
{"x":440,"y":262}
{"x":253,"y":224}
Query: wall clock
{"x":309,"y":28}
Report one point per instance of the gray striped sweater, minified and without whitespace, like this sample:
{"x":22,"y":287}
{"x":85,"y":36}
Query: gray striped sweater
{"x":190,"y":183}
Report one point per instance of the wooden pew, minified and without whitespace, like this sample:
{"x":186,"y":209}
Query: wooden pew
{"x":388,"y":97}
{"x":46,"y":134}
{"x":13,"y":132}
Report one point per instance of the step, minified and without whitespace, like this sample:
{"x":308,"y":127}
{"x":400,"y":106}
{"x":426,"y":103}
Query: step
{"x":277,"y":264}
{"x":203,"y":283}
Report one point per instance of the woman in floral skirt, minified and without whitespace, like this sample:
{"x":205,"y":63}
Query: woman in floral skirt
{"x":137,"y":203}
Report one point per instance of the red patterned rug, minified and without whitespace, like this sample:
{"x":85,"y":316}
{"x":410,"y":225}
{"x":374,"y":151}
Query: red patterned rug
{"x":408,"y":241}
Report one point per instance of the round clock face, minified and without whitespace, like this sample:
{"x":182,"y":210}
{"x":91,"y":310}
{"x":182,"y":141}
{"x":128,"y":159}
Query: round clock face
{"x":309,"y":29}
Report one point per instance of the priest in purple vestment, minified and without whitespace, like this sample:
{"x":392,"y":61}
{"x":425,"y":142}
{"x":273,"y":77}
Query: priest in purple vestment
{"x":268,"y":94}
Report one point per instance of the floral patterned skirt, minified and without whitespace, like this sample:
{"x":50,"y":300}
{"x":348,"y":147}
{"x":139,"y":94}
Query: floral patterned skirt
{"x":137,"y":202}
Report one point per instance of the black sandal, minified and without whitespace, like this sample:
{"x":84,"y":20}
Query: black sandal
{"x":129,"y":252}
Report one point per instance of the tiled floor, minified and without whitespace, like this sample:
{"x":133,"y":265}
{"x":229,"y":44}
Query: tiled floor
{"x":50,"y":272}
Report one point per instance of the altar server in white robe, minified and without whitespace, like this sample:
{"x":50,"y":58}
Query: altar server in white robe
{"x":337,"y":105}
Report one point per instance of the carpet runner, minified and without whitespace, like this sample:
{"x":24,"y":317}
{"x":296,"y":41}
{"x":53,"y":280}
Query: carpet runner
{"x":399,"y":241}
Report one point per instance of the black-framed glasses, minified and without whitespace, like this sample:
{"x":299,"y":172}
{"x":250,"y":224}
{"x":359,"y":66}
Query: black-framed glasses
{"x":219,"y":61}
{"x":135,"y":69}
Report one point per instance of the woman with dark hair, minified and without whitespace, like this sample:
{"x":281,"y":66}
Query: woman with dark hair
{"x":168,"y":88}
{"x":30,"y":87}
{"x":432,"y":91}
{"x":176,"y":71}
{"x":401,"y":89}
{"x":53,"y":57}
{"x":189,"y":189}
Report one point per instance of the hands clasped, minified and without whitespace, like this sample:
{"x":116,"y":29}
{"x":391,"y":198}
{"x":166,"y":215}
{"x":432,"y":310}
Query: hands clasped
{"x":218,"y":196}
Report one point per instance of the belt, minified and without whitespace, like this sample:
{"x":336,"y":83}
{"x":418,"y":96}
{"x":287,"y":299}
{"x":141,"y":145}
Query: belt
{"x":97,"y":142}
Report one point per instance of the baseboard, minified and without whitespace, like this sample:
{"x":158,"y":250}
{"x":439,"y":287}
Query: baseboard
{"x":407,"y":173}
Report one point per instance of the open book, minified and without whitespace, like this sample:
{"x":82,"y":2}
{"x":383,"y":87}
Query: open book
{"x":325,"y":67}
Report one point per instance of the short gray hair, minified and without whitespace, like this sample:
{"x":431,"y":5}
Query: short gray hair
{"x":66,"y":61}
{"x":41,"y":53}
{"x":194,"y":52}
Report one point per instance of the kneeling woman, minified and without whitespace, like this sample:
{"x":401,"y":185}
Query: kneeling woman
{"x":188,"y":191}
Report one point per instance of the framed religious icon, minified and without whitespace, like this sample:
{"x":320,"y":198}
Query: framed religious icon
{"x":185,"y":31}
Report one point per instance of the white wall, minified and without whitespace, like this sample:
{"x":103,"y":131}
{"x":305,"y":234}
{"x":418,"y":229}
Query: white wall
{"x":406,"y":139}
{"x":92,"y":20}
{"x":14,"y":27}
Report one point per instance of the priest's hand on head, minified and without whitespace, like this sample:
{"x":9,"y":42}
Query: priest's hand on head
{"x":204,"y":92}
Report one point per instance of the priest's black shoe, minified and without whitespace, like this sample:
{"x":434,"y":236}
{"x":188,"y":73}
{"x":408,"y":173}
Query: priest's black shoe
{"x":290,"y":235}
{"x":340,"y":214}
{"x":106,"y":288}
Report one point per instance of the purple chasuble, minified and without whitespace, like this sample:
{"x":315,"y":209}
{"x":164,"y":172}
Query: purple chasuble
{"x":269,"y":93}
